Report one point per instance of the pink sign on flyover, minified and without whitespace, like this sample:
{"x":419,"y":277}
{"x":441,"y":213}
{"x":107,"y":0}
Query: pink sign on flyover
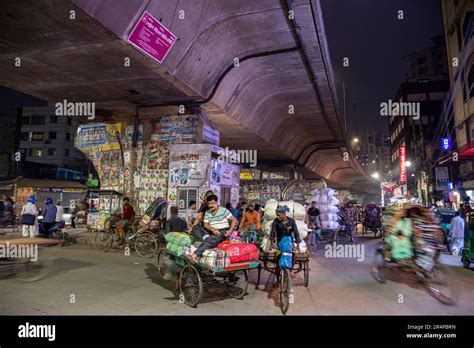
{"x":152,"y":38}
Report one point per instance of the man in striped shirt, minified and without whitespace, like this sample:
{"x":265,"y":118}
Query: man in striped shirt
{"x":216,"y":221}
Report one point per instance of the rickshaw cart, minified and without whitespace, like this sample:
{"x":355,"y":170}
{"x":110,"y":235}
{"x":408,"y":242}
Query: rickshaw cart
{"x":192,"y":276}
{"x":268,"y":261}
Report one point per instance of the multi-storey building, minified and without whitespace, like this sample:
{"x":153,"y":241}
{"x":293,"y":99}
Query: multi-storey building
{"x":49,"y":139}
{"x":457,"y":118}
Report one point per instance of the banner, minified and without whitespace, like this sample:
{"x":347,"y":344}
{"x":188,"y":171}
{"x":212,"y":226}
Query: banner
{"x":441,"y":178}
{"x":403,"y":167}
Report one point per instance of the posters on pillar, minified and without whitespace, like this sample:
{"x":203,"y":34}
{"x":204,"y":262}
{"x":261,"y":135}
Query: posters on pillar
{"x":441,"y":178}
{"x":182,"y":129}
{"x":189,"y":165}
{"x":156,"y":154}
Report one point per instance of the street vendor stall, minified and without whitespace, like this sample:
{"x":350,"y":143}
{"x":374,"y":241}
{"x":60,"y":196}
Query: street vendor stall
{"x":102,"y":203}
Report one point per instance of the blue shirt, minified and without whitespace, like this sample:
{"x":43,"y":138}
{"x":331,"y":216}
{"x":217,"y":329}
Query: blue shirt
{"x":50,"y":213}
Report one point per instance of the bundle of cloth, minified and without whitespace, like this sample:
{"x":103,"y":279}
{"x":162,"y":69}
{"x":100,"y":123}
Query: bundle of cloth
{"x":297,"y":212}
{"x":226,"y":253}
{"x":327,"y":203}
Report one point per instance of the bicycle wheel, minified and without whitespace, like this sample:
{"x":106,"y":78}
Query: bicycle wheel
{"x":146,"y":244}
{"x":104,"y":240}
{"x":237,"y":283}
{"x":285,"y":290}
{"x":441,"y":284}
{"x":378,"y":266}
{"x":190,"y":285}
{"x":306,"y":273}
{"x":165,"y":265}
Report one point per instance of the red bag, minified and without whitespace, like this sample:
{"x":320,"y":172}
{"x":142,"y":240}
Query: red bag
{"x":239,"y":252}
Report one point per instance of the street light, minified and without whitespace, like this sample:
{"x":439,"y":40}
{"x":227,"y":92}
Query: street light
{"x":407,"y":163}
{"x":375,"y":175}
{"x":355,"y":140}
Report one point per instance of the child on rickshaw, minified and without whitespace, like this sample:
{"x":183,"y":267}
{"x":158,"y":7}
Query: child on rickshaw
{"x":283,"y":226}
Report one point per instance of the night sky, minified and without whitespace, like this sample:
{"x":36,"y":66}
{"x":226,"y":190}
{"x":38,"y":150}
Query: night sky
{"x":369,"y":33}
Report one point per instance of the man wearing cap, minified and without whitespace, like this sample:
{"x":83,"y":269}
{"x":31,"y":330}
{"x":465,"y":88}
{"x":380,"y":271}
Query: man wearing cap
{"x":283,"y":226}
{"x":30,"y":230}
{"x":216,"y":221}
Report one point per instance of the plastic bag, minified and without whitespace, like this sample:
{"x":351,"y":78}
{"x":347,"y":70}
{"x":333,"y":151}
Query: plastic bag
{"x":286,"y":257}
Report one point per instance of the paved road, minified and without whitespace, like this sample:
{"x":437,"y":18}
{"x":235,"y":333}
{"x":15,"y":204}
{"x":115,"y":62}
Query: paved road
{"x":112,"y":283}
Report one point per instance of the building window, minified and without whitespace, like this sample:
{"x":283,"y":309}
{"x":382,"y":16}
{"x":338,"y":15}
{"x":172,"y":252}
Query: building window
{"x":66,"y":152}
{"x":51,"y":152}
{"x":421,"y":60}
{"x":25,"y":136}
{"x":52,"y":135}
{"x":37,"y":120}
{"x":53,"y":119}
{"x":35,"y":152}
{"x":423,"y":70}
{"x":35,"y":136}
{"x":25,"y":121}
{"x":69,"y":121}
{"x":68,"y":137}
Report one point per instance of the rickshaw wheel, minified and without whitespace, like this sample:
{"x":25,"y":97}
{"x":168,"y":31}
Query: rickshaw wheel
{"x":440,"y":285}
{"x":146,"y":244}
{"x":285,"y":290}
{"x":164,"y":264}
{"x":306,"y":273}
{"x":466,"y":263}
{"x":190,"y":285}
{"x":378,"y":266}
{"x":237,"y":283}
{"x":103,"y":240}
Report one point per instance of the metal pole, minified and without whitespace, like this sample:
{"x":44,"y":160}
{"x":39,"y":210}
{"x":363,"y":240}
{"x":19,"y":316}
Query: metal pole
{"x":344,"y":98}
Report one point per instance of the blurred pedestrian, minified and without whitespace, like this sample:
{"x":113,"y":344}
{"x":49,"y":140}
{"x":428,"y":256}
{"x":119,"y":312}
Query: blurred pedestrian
{"x":29,"y":218}
{"x":49,"y":217}
{"x":457,"y":233}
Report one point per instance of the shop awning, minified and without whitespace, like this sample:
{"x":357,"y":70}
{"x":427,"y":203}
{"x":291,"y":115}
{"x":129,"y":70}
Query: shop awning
{"x":43,"y":183}
{"x":465,"y":152}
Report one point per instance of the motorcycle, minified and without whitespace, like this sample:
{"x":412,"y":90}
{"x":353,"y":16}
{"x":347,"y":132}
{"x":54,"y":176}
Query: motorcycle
{"x":56,"y":231}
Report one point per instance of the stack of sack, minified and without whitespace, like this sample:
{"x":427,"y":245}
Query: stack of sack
{"x":297,"y":212}
{"x":226,"y":253}
{"x":327,"y":203}
{"x":238,"y":251}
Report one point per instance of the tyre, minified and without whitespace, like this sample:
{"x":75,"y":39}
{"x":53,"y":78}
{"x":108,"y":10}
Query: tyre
{"x":466,"y":263}
{"x":237,"y":283}
{"x":103,"y":240}
{"x":306,"y":273}
{"x":190,"y":285}
{"x":378,"y":266}
{"x":146,"y":244}
{"x":285,"y":290}
{"x":441,"y":284}
{"x":165,"y":265}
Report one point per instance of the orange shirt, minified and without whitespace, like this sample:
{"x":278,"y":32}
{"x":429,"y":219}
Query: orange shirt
{"x":250,"y":218}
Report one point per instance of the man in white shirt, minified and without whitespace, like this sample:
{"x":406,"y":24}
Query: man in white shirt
{"x":59,"y":212}
{"x":457,"y":233}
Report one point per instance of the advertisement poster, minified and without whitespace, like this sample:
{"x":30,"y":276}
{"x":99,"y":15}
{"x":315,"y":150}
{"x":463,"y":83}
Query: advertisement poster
{"x":442,"y":178}
{"x":189,"y":165}
{"x":152,"y":38}
{"x":156,"y":154}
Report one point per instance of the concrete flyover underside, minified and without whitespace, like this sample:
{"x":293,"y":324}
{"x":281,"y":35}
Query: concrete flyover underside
{"x":284,"y":65}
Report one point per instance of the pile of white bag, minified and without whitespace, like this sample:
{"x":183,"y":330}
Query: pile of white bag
{"x":296,"y":212}
{"x":327,"y":203}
